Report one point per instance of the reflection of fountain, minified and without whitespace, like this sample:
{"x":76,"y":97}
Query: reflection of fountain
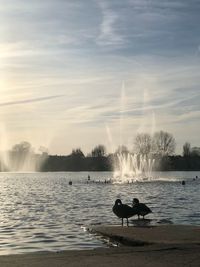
{"x":132,"y":167}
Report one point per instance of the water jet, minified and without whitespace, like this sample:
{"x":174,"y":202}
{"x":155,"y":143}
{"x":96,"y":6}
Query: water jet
{"x":130,"y":167}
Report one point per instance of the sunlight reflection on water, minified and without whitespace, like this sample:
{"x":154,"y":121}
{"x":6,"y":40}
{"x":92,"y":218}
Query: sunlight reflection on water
{"x":42,"y":212}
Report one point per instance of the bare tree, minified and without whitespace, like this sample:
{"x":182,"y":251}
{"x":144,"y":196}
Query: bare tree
{"x":77,"y":153}
{"x":186,"y":149}
{"x":99,"y":151}
{"x":22,"y":157}
{"x":22,"y":148}
{"x":163,"y":143}
{"x":122,"y":150}
{"x":142,"y":144}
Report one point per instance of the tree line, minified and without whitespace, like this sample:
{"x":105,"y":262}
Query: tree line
{"x":161,"y":147}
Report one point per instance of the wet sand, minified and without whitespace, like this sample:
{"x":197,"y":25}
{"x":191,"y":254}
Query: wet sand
{"x":158,"y":246}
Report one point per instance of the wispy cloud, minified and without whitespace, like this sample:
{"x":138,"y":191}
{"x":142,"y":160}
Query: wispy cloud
{"x":75,"y":56}
{"x":27,"y":101}
{"x":109,"y":34}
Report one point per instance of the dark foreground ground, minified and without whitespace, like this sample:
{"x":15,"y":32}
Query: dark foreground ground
{"x":151,"y":246}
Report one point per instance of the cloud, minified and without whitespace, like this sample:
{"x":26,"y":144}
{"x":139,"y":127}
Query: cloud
{"x":108,"y":28}
{"x":84,"y":51}
{"x":27,"y":101}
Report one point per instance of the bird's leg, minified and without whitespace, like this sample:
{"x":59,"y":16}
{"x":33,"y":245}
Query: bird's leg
{"x":127,"y":221}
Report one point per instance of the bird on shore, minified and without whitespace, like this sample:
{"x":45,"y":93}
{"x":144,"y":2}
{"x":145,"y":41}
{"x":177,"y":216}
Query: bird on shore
{"x":141,"y":208}
{"x":123,"y":211}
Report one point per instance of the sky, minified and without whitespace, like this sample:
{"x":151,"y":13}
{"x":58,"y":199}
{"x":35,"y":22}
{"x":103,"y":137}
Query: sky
{"x":77,"y":73}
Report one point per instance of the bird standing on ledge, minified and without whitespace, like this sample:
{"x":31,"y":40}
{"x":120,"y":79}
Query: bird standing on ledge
{"x":141,"y":208}
{"x":123,"y":211}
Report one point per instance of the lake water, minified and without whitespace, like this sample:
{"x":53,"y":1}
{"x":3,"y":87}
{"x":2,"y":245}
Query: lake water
{"x":42,"y":212}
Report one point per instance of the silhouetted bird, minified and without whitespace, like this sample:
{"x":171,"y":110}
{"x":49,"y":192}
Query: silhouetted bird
{"x":70,"y":182}
{"x":141,"y":208}
{"x":123,"y":211}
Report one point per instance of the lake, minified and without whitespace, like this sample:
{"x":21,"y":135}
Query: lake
{"x":42,"y":212}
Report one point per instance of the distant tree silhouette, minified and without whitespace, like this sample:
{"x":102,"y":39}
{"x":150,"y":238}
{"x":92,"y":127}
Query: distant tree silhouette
{"x":77,"y":153}
{"x":186,"y":149}
{"x":143,"y":144}
{"x":163,"y":143}
{"x":122,"y":150}
{"x":75,"y":161}
{"x":195,"y":151}
{"x":99,"y":151}
{"x":22,"y":156}
{"x":44,"y":150}
{"x":22,"y":148}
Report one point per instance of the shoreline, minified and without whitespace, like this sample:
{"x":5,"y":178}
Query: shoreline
{"x":151,"y":256}
{"x":159,"y":246}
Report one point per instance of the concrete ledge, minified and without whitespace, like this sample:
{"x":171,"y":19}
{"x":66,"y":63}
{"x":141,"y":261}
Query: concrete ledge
{"x":172,"y":246}
{"x":153,"y":246}
{"x":141,"y":236}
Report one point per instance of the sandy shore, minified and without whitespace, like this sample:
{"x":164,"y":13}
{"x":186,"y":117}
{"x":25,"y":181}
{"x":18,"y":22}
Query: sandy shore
{"x":167,"y":246}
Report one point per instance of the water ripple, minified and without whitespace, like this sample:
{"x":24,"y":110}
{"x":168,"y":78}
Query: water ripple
{"x":41,"y":212}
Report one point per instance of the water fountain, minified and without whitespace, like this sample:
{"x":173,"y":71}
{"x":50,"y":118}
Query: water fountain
{"x":21,"y":159}
{"x":11,"y":162}
{"x":132,"y":167}
{"x":127,"y":166}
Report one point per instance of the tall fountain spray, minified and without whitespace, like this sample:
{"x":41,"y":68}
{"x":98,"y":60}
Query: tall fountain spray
{"x":21,"y":159}
{"x":132,"y":167}
{"x":136,"y":165}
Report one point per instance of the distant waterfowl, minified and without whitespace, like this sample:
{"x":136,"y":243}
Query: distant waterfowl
{"x":123,"y":211}
{"x":183,"y":182}
{"x":141,"y":208}
{"x":70,"y":182}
